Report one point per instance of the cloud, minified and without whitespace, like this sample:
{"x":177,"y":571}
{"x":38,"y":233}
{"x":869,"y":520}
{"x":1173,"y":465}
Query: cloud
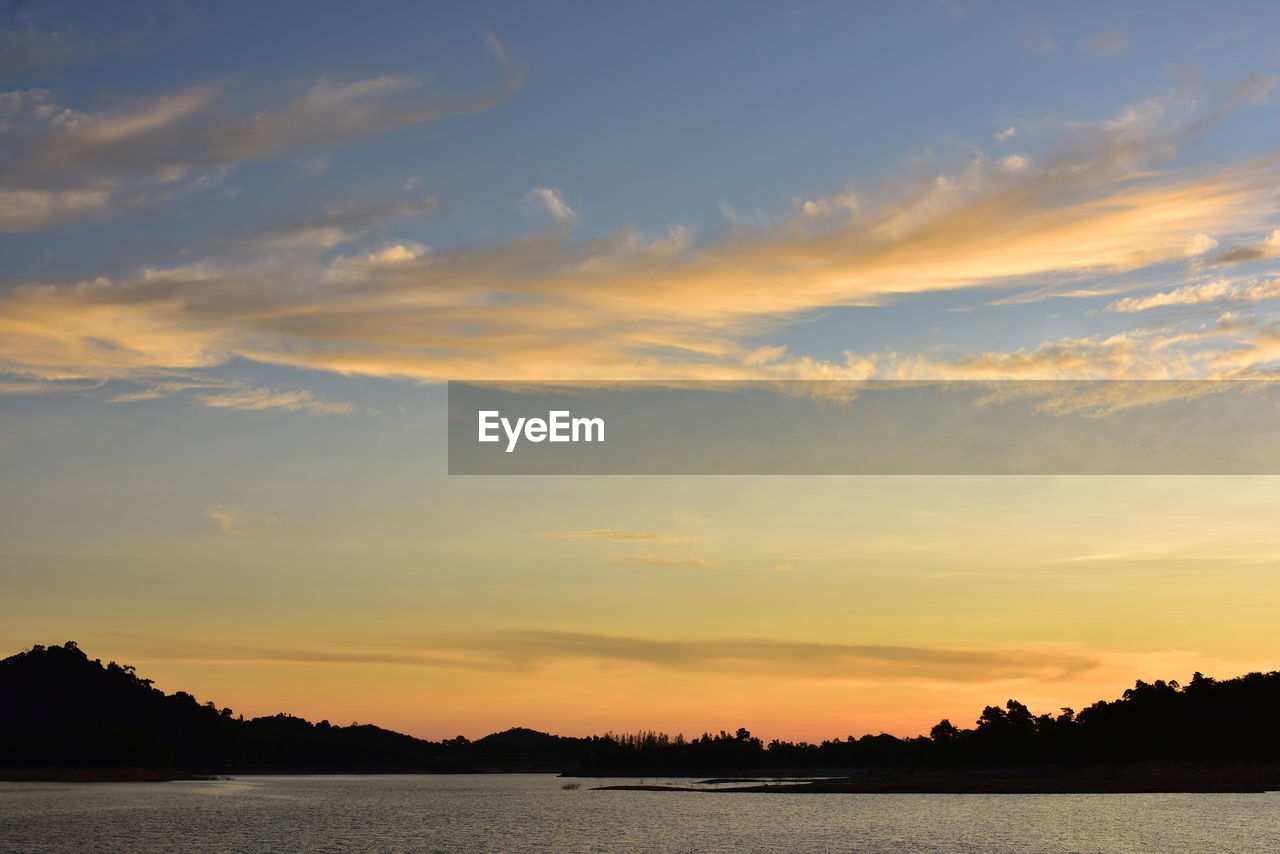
{"x":28,"y":46}
{"x":654,"y":560}
{"x":21,"y":386}
{"x":614,"y":535}
{"x":258,"y":399}
{"x":1245,"y":253}
{"x":41,"y":34}
{"x":337,"y":225}
{"x":549,"y":200}
{"x":839,"y":203}
{"x":311,"y":167}
{"x":23,"y":210}
{"x":1218,"y":40}
{"x":1006,"y":134}
{"x":219,"y":393}
{"x":1255,"y":355}
{"x":1139,"y":354}
{"x":819,"y":660}
{"x":1112,"y":41}
{"x":1038,"y":40}
{"x":172,"y":649}
{"x":1219,"y":292}
{"x":691,"y":520}
{"x":1233,"y":349}
{"x":66,"y":165}
{"x":953,"y":8}
{"x":496,"y":48}
{"x":1015,"y":162}
{"x":525,"y":650}
{"x":306,"y":237}
{"x":234,"y":523}
{"x":1239,"y":255}
{"x":673,"y":306}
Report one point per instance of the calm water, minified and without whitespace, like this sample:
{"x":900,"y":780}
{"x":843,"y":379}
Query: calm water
{"x":531,"y":813}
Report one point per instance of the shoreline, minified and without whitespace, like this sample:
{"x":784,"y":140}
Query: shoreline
{"x":98,"y":775}
{"x":1136,"y":778}
{"x":1117,"y":778}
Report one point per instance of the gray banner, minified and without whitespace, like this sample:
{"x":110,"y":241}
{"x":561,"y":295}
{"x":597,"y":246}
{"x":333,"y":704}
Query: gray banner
{"x":876,"y":427}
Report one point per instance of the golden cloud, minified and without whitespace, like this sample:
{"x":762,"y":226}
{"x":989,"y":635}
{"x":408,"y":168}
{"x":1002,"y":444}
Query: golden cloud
{"x":626,"y":306}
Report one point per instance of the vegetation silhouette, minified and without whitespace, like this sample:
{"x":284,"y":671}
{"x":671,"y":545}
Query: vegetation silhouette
{"x":64,"y":710}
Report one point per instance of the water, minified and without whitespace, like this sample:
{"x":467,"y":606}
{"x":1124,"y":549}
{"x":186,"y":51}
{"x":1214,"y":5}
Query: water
{"x":510,"y":814}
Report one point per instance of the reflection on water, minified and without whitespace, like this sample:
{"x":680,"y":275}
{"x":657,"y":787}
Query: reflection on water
{"x":533,"y":813}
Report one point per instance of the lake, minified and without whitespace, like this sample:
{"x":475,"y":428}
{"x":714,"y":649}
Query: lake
{"x":506,"y":814}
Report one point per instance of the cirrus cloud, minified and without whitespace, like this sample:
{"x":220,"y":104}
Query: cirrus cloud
{"x":613,"y":534}
{"x":65,"y":165}
{"x":626,"y":305}
{"x":655,"y":560}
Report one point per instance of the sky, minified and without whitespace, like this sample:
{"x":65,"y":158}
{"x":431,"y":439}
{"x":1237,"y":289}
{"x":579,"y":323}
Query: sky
{"x":244,"y":246}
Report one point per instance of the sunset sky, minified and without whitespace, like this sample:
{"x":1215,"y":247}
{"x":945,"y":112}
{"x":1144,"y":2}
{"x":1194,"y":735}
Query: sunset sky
{"x":244,"y":245}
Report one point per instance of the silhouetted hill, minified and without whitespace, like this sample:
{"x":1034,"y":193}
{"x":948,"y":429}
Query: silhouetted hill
{"x":523,"y":749}
{"x":64,"y":710}
{"x":520,"y":737}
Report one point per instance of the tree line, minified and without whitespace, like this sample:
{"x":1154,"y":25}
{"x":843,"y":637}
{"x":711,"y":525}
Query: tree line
{"x":62,"y":709}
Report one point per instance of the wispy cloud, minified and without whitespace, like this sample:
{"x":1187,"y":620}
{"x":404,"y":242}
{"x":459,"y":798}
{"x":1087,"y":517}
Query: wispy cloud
{"x":170,"y":649}
{"x":1038,"y":40}
{"x":66,"y":165}
{"x":39,"y":34}
{"x":223,"y":393}
{"x":550,"y":201}
{"x":336,"y":225}
{"x":655,"y":560}
{"x":1140,"y":354}
{"x":1245,"y":253}
{"x":821,"y":660}
{"x":838,"y":203}
{"x":1112,"y":41}
{"x":311,"y":167}
{"x":1220,"y":292}
{"x":28,"y":45}
{"x":615,"y":535}
{"x":524,"y":650}
{"x":236,"y":523}
{"x":258,"y":399}
{"x":26,"y":386}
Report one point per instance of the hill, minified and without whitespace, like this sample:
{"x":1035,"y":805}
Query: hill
{"x":65,"y":710}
